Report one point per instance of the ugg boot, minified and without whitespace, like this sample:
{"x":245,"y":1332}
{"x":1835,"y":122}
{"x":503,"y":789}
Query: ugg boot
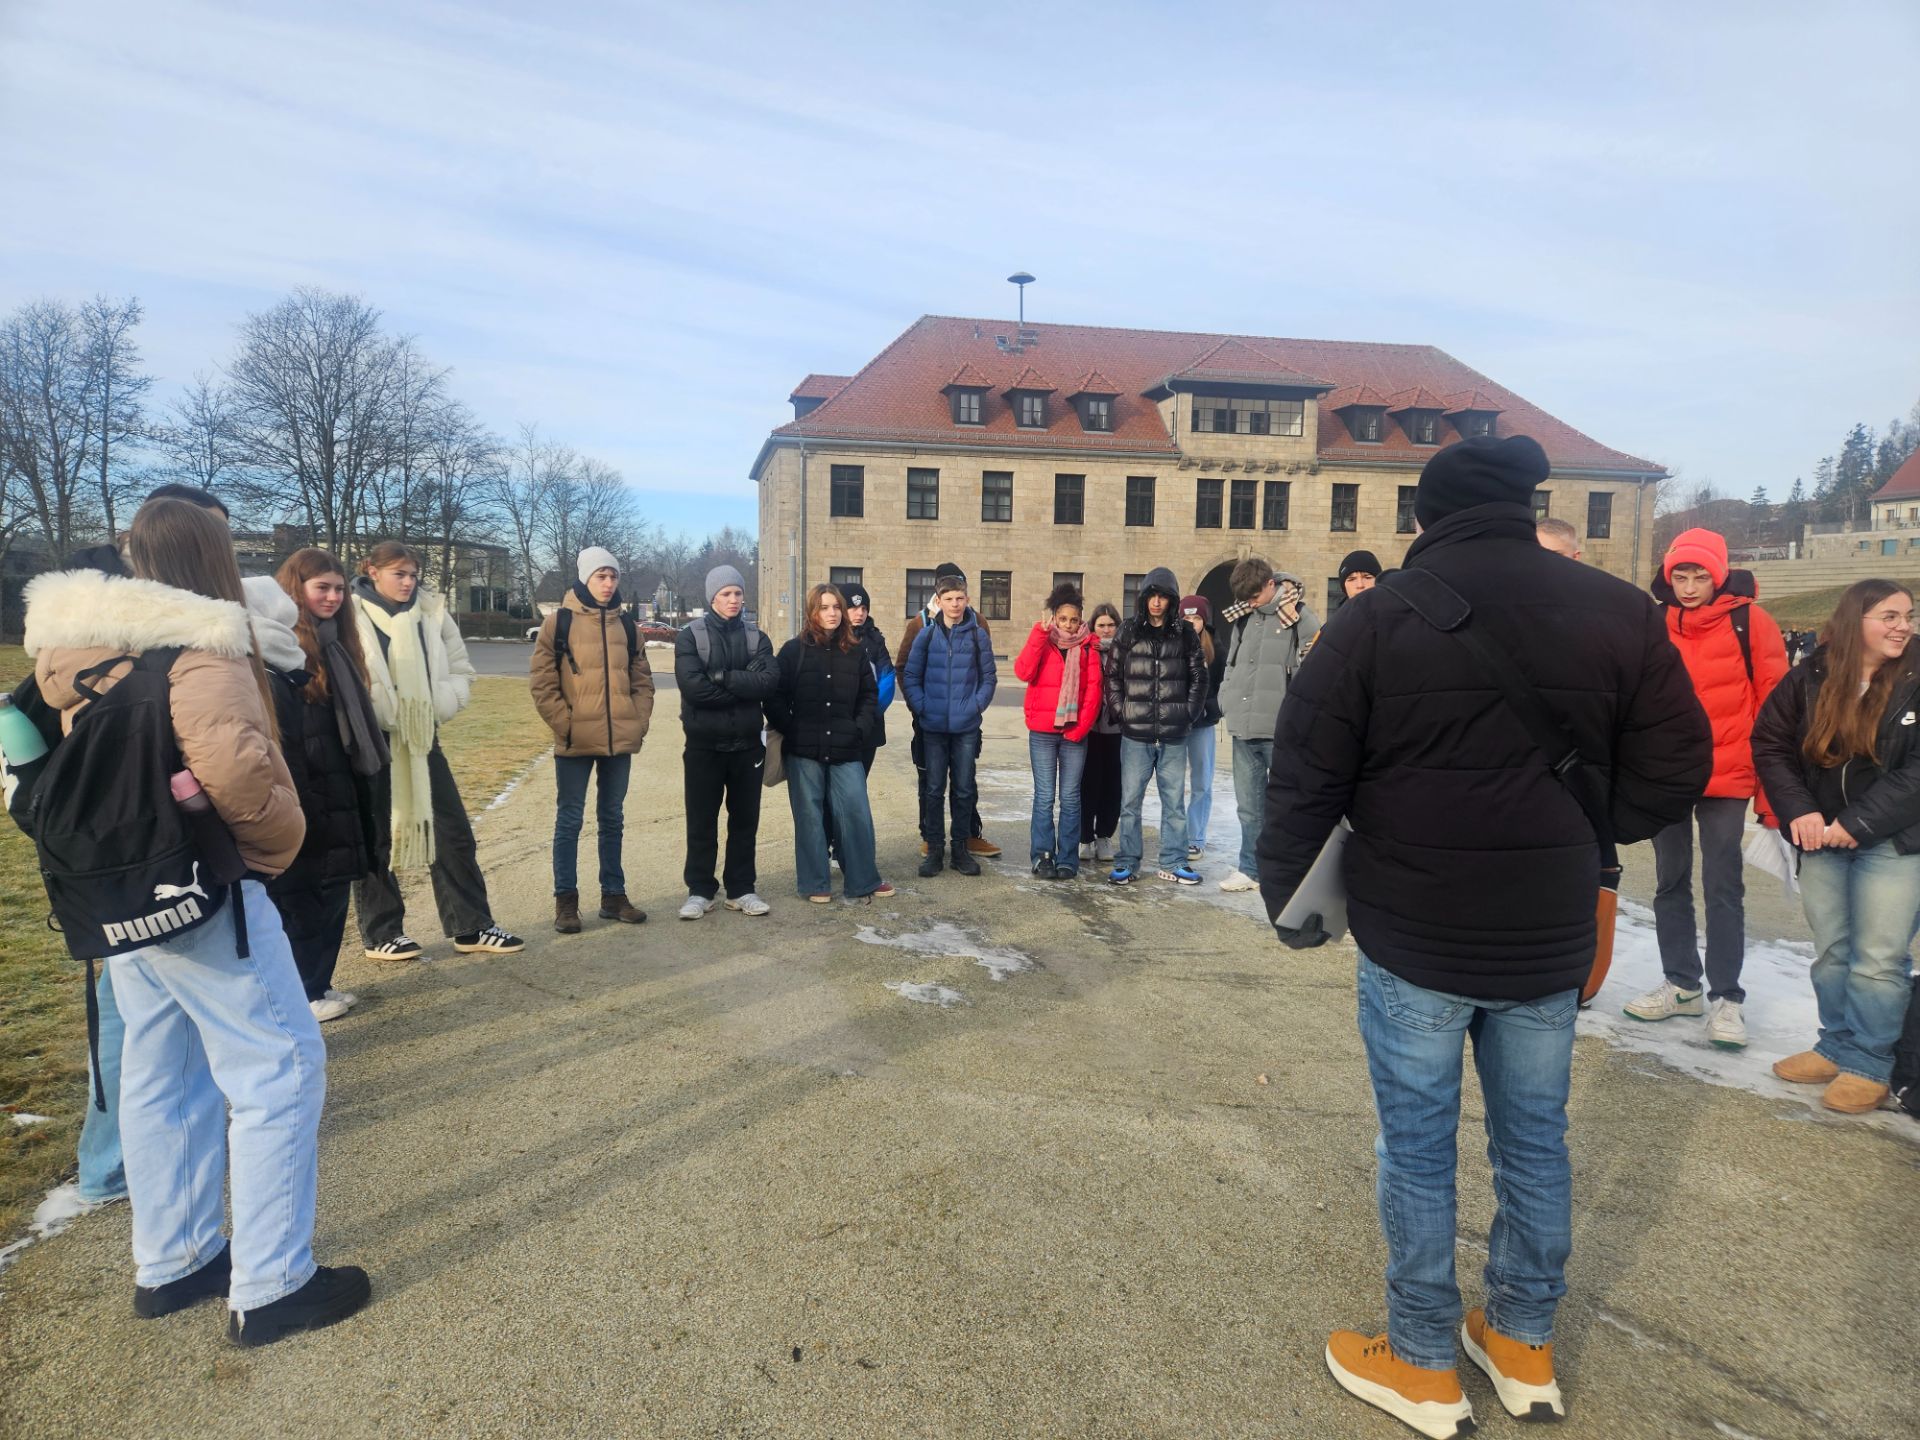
{"x":1853,"y":1094}
{"x":614,"y":906}
{"x":566,"y":912}
{"x":1809,"y":1067}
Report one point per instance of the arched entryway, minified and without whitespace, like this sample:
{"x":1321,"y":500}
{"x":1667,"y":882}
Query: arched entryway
{"x":1219,"y":593}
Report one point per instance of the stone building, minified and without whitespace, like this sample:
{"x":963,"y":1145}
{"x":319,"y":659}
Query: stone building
{"x":1028,"y":454}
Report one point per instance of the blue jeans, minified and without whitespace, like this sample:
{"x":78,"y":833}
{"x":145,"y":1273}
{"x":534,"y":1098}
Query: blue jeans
{"x":1863,"y":907}
{"x":1202,"y":751}
{"x":570,"y":775}
{"x":1523,"y":1051}
{"x":1058,"y":764}
{"x":808,"y":784}
{"x":948,"y":776}
{"x":1166,"y":761}
{"x":103,"y":1174}
{"x":1252,"y":759}
{"x":208,"y":1030}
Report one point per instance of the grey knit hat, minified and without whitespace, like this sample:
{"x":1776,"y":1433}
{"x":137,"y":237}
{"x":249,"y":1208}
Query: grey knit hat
{"x":596,"y":557}
{"x":720,"y":577}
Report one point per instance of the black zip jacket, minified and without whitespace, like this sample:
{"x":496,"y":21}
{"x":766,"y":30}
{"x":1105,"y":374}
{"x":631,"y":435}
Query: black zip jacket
{"x":1156,"y":675}
{"x":1873,"y":802}
{"x":827,"y":703}
{"x":720,"y":701}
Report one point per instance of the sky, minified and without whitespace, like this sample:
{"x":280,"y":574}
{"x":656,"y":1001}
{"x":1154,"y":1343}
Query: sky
{"x":1689,"y":230}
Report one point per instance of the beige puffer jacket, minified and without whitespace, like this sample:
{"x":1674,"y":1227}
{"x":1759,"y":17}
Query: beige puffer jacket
{"x":78,"y":618}
{"x":598,"y":699}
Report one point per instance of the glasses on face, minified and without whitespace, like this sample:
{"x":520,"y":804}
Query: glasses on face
{"x":1894,"y":619}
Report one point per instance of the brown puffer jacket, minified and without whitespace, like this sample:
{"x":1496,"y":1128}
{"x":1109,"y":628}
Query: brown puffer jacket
{"x":78,"y":618}
{"x":598,"y":698}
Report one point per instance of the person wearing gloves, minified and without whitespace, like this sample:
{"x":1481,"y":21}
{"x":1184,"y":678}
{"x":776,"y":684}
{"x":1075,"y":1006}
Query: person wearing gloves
{"x":1359,"y":571}
{"x":1156,"y":688}
{"x":333,"y":748}
{"x":592,"y":685}
{"x":1472,"y":880}
{"x":1269,"y":628}
{"x":723,"y":667}
{"x":1202,"y":744}
{"x":949,"y":679}
{"x":1061,"y":664}
{"x":418,"y":677}
{"x":223,"y":1072}
{"x":1734,"y":656}
{"x":1837,"y":746}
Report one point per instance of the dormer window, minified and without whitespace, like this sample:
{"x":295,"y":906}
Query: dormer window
{"x":1096,"y":412}
{"x":1476,"y":423}
{"x":1364,"y":422}
{"x":1030,"y":410}
{"x":967,"y":406}
{"x":1422,"y":426}
{"x":1217,"y":415}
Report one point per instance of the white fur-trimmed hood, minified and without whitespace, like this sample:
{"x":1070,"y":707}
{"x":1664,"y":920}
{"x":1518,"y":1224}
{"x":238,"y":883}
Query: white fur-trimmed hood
{"x":83,"y":609}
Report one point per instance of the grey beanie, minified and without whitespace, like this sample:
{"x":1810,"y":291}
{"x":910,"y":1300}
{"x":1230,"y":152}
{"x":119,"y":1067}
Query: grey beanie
{"x":596,"y":557}
{"x":721,"y":576}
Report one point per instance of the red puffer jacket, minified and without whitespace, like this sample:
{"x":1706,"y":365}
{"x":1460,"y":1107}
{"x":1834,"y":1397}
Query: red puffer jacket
{"x":1041,"y":663}
{"x":1707,"y":643}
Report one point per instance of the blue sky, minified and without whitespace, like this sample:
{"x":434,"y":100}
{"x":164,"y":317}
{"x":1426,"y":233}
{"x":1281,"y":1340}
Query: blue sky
{"x":1690,"y":230}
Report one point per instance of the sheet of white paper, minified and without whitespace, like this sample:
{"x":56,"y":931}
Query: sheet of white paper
{"x":1324,"y":891}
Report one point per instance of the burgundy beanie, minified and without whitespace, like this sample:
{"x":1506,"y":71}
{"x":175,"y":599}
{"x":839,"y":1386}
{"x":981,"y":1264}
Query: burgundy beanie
{"x":1198,"y":604}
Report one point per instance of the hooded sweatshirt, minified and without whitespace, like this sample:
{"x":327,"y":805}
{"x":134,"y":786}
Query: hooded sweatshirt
{"x":1156,"y":675}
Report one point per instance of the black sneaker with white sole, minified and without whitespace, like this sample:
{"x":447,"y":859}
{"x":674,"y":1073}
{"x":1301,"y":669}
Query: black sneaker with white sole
{"x":398,"y":948}
{"x":150,"y":1302}
{"x":333,"y":1293}
{"x":490,"y":941}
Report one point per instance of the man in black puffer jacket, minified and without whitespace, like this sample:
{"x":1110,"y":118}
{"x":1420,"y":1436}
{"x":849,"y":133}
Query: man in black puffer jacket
{"x":1471,"y":879}
{"x":1156,"y":687}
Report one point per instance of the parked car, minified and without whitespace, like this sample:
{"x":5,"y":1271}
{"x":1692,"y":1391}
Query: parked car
{"x":649,"y":632}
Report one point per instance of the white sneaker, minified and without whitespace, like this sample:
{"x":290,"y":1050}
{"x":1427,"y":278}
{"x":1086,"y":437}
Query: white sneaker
{"x":345,"y":997}
{"x":1236,"y":882}
{"x":1725,"y":1028}
{"x":1088,"y":852}
{"x":747,"y":904}
{"x":325,"y":1009}
{"x":1665,"y":1002}
{"x":696,"y":906}
{"x":1103,"y":850}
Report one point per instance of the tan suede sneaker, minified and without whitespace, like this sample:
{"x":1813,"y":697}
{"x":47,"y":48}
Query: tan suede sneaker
{"x":1522,"y":1374}
{"x":1809,"y":1067}
{"x":1853,"y":1094}
{"x":1431,"y":1401}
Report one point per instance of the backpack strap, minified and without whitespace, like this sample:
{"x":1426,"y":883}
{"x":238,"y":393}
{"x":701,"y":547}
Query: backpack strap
{"x":1742,"y":631}
{"x":702,"y":642}
{"x":562,"y":624}
{"x":633,"y":635}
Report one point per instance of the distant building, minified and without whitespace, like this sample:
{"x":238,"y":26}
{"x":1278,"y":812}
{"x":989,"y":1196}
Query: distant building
{"x":482,"y":575}
{"x":1049,"y":452}
{"x":1893,"y":526}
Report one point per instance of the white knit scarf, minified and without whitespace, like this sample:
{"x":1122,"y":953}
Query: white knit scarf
{"x":411,"y":738}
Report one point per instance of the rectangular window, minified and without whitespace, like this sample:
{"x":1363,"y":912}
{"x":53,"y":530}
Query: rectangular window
{"x":1213,"y":415}
{"x":1273,"y":515}
{"x":1130,"y":594}
{"x":847,"y":491}
{"x":841,"y":576}
{"x":1075,"y":578}
{"x":919,"y":592}
{"x":1542,"y":505}
{"x":1403,"y":516}
{"x":1472,"y":425}
{"x":1240,"y":504}
{"x":1069,"y":499}
{"x":1364,"y":424}
{"x":996,"y":594}
{"x":1206,"y":504}
{"x":1032,"y":411}
{"x":1599,"y":516}
{"x":966,"y":407}
{"x":1346,"y":507}
{"x":923,"y":494}
{"x":1139,"y":499}
{"x":1096,"y":413}
{"x":1422,"y":426}
{"x":996,"y":495}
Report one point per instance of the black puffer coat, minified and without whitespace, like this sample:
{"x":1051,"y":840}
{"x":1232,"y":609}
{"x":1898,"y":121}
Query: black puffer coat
{"x":1472,"y":869}
{"x":827,"y":705}
{"x":1156,"y":675}
{"x":720,"y":701}
{"x":869,"y":639}
{"x":336,"y":802}
{"x":1872,"y":801}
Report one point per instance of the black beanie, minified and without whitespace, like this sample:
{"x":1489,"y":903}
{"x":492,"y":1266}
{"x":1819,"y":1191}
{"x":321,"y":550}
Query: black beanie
{"x":1360,"y":562}
{"x":856,"y":595}
{"x":1479,"y":471}
{"x":946,"y":567}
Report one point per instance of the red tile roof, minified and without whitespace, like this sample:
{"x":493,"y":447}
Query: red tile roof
{"x":897,"y":396}
{"x":1351,"y":395}
{"x":1030,"y":379}
{"x":819,"y":387}
{"x":1092,"y":383}
{"x":1415,"y":397}
{"x":1471,"y":400}
{"x":968,"y":378}
{"x":1904,"y":483}
{"x":1236,"y":361}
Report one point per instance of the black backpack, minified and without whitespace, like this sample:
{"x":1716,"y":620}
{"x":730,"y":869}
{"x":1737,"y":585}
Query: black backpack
{"x":20,"y":780}
{"x":563,"y":623}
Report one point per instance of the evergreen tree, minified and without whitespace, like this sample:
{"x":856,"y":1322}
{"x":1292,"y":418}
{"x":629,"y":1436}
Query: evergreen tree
{"x":1853,"y":475}
{"x":1793,"y":514}
{"x":1759,"y":517}
{"x":1825,"y":505}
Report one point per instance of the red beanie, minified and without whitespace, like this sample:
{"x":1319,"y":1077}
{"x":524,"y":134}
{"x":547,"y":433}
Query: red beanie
{"x":1704,"y":548}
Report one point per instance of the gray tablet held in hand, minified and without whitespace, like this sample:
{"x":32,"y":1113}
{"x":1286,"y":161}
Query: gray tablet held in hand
{"x":1324,"y":891}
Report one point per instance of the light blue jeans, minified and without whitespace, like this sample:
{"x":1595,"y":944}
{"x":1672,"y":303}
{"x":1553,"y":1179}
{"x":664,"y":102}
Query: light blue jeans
{"x":103,"y":1174}
{"x":1202,"y":751}
{"x":1863,"y":907}
{"x":808,"y":783}
{"x":1166,"y":762}
{"x":1252,"y":759}
{"x":1058,"y":765}
{"x":1523,"y":1051}
{"x":208,"y":1030}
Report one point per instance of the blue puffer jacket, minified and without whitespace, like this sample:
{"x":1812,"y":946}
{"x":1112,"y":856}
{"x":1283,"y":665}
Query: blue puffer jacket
{"x":950,"y":676}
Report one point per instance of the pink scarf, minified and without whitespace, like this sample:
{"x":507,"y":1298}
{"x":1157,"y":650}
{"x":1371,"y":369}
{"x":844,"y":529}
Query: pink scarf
{"x":1068,"y":710}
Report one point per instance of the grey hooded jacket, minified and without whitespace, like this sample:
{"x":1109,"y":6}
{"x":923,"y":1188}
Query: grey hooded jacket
{"x":1261,"y":658}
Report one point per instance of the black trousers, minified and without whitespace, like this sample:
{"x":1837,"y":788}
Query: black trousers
{"x":735,"y":776}
{"x":459,"y":889}
{"x":1100,"y":789}
{"x":315,"y":919}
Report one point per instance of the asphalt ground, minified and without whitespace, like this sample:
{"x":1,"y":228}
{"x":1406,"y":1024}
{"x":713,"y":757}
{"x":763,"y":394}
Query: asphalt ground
{"x":716,"y":1179}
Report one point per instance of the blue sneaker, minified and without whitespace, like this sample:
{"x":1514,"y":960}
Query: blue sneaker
{"x":1121,"y":875}
{"x":1181,"y":875}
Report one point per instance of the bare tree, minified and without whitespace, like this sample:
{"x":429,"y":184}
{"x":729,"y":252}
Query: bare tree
{"x":418,"y":390}
{"x":462,"y":464}
{"x":533,"y":470}
{"x":198,"y":439}
{"x":115,"y":383}
{"x":47,"y":419}
{"x":314,"y":393}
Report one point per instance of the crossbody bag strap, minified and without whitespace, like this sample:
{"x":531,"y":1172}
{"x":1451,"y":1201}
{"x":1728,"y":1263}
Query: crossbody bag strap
{"x":1442,"y":607}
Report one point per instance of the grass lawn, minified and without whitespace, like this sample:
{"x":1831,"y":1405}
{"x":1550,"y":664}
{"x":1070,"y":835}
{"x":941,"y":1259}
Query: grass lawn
{"x":1810,"y":611}
{"x":43,"y":1060}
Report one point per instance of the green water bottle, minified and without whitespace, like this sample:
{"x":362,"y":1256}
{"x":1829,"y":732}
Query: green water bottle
{"x":21,"y":742}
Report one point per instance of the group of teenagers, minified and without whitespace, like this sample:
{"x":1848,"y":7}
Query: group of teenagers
{"x":308,"y":706}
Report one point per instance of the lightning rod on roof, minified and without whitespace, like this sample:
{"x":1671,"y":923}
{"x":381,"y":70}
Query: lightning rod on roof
{"x":1023,"y":280}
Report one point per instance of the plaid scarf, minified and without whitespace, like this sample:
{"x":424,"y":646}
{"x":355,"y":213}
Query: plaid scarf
{"x":1067,"y":710}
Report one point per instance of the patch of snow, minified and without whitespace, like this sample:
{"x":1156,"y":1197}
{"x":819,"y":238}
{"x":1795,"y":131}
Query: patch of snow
{"x":21,"y":1117}
{"x":514,"y":784}
{"x":926,"y":994}
{"x":947,"y":939}
{"x":60,"y":1209}
{"x":1639,"y":1337}
{"x":1732,"y":1433}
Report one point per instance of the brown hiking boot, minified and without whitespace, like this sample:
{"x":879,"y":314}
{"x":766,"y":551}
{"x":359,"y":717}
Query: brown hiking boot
{"x":1853,"y":1094}
{"x":1809,"y":1067}
{"x":1522,"y":1374}
{"x":566,"y":912}
{"x":1431,"y":1401}
{"x":614,"y":906}
{"x":980,"y":845}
